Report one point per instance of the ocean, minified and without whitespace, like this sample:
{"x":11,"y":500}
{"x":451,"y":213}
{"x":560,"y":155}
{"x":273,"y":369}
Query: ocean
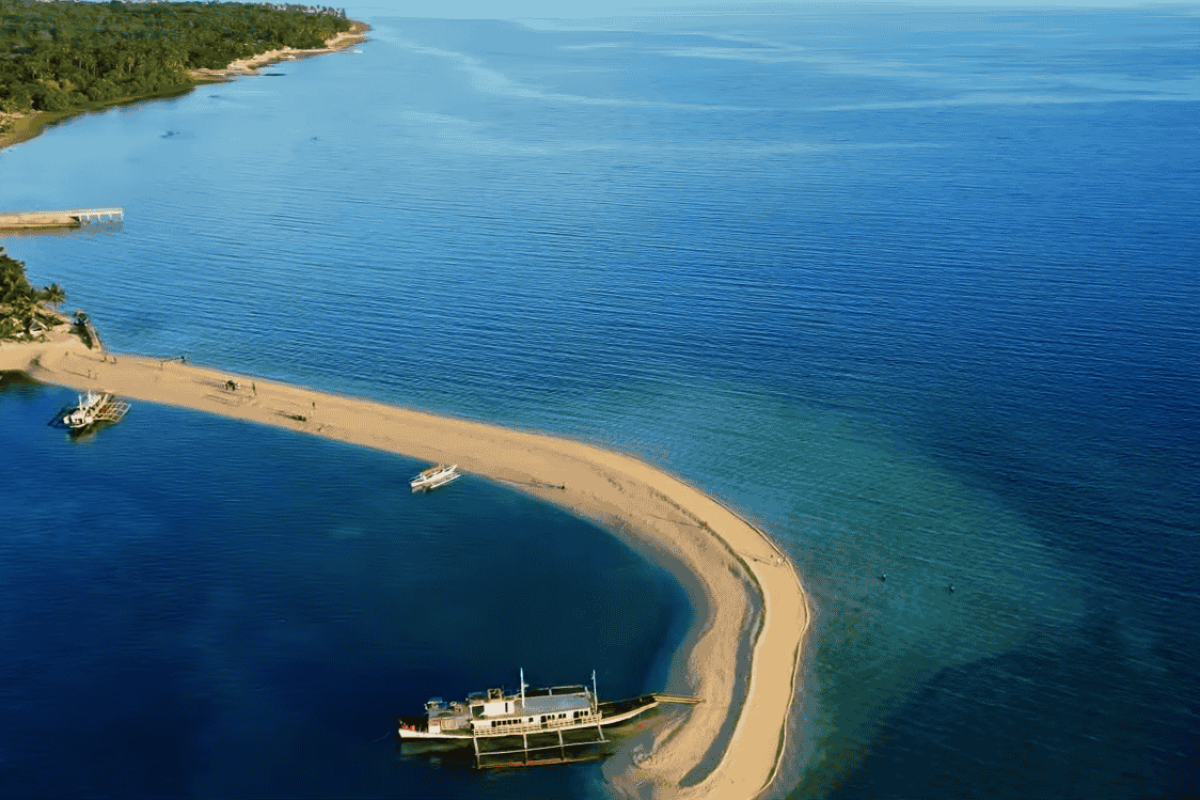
{"x":913,"y":289}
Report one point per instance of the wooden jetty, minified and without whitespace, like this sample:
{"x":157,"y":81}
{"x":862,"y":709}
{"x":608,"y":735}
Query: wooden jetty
{"x":59,"y":218}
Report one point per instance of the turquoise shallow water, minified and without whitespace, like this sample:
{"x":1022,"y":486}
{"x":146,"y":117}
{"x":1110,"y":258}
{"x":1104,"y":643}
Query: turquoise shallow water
{"x":914,"y":290}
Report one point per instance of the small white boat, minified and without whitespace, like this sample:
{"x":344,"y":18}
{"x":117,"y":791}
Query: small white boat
{"x":95,"y":407}
{"x":434,"y":477}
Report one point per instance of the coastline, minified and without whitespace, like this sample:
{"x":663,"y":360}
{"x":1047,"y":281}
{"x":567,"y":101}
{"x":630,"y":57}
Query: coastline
{"x":17,"y":128}
{"x":249,"y":66}
{"x":752,"y":605}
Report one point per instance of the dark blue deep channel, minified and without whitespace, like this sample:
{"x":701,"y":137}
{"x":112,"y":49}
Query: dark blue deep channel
{"x":197,"y":607}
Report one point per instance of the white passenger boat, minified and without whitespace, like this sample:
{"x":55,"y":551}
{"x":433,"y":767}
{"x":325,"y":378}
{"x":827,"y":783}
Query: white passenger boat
{"x":539,"y":717}
{"x":93,"y":408}
{"x":434,"y":477}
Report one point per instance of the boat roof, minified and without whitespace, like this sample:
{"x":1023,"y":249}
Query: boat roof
{"x":553,"y":704}
{"x":574,"y":689}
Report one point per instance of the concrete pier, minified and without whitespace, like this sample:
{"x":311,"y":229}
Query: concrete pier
{"x":59,"y":218}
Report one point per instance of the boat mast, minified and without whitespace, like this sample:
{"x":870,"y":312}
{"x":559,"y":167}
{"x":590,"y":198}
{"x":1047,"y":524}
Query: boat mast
{"x":522,"y":689}
{"x":595,"y":696}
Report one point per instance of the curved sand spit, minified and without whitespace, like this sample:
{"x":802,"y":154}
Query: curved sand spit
{"x":738,"y":569}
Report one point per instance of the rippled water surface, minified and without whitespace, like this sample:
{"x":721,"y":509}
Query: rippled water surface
{"x":914,"y":290}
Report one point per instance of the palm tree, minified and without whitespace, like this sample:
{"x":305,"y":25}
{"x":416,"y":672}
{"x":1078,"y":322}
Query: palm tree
{"x":53,"y":295}
{"x":21,"y":310}
{"x":12,"y":279}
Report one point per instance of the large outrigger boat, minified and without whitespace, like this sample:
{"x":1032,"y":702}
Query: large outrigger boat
{"x":92,"y":409}
{"x":541,"y":718}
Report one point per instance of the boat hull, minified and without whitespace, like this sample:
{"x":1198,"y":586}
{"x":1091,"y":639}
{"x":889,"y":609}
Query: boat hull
{"x":612,"y":713}
{"x":92,"y":410}
{"x":434,"y":477}
{"x":427,"y":486}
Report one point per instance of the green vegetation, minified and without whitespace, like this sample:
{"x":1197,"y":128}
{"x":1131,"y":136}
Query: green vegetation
{"x":67,"y":55}
{"x":22,"y":307}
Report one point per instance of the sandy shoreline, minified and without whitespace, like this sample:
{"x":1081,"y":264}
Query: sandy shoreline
{"x":247,"y":66}
{"x":750,"y":591}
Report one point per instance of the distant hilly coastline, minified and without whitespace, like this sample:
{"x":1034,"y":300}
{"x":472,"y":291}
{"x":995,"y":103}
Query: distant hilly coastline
{"x":63,"y":58}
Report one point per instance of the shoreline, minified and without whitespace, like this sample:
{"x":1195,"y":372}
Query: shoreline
{"x":747,"y":595}
{"x":18,"y":128}
{"x":249,"y":66}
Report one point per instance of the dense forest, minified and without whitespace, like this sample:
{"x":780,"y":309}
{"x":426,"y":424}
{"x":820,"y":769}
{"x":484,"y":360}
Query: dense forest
{"x":63,"y":55}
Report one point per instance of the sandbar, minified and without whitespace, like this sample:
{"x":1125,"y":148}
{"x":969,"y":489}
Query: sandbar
{"x":752,"y":598}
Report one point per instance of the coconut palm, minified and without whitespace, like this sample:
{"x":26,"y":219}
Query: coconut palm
{"x":53,"y":295}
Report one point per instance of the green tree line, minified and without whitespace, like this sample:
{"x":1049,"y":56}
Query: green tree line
{"x":20,"y":303}
{"x":63,"y":55}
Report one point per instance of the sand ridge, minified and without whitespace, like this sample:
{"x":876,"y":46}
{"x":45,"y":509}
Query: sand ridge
{"x":749,"y":587}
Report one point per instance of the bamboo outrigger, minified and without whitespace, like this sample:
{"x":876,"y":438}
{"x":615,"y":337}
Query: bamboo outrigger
{"x":92,"y":409}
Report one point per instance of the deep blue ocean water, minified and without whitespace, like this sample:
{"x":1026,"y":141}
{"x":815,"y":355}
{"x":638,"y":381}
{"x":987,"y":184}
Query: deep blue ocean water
{"x":201,"y":607}
{"x":914,"y":289}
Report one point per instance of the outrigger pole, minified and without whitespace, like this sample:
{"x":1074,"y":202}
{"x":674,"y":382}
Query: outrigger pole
{"x":596,"y":707}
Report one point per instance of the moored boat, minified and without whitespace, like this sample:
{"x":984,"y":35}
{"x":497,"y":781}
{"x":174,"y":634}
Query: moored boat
{"x":434,"y":477}
{"x":93,"y":408}
{"x":528,"y":714}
